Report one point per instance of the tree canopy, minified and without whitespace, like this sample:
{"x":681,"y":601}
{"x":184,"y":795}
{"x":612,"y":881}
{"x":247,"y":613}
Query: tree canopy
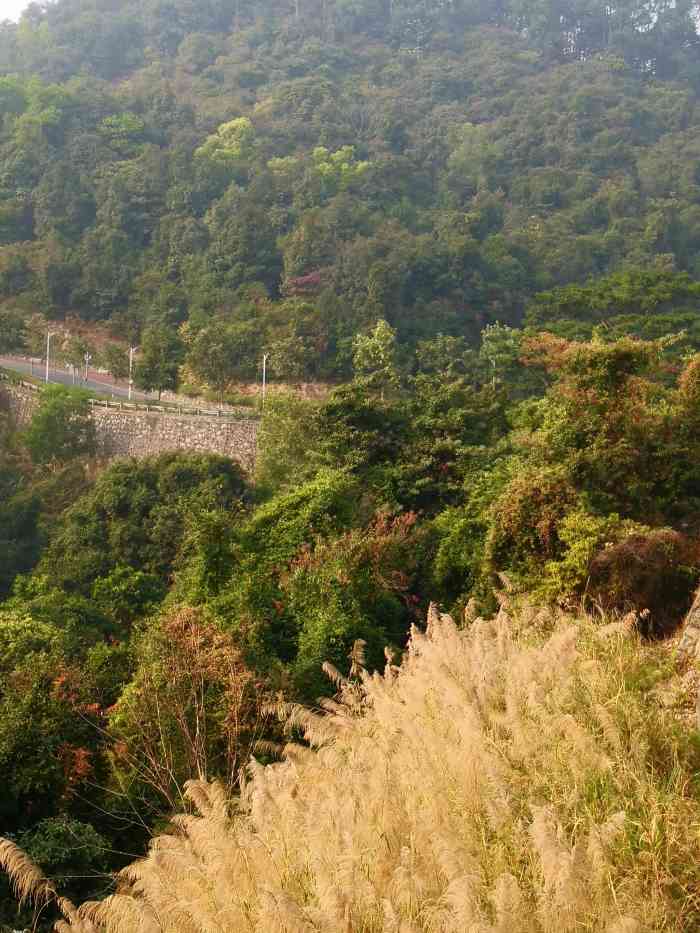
{"x":294,"y":174}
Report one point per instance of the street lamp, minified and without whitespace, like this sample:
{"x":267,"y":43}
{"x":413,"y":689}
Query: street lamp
{"x":264,"y":377}
{"x":87,"y":359}
{"x":49,"y":335}
{"x":132,"y":350}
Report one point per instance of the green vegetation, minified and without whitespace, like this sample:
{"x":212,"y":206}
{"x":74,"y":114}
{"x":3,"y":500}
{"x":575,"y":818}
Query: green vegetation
{"x":478,"y":225}
{"x":273,"y":180}
{"x":160,"y":606}
{"x":62,"y":429}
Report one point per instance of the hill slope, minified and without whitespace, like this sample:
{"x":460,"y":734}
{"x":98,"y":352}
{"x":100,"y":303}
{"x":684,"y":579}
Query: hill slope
{"x":304,"y":171}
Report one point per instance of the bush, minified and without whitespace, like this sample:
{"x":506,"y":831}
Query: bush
{"x":652,"y":572}
{"x":621,"y":566}
{"x":192,"y":709}
{"x":525,"y":519}
{"x":62,"y":428}
{"x":135,"y":517}
{"x":262,"y":552}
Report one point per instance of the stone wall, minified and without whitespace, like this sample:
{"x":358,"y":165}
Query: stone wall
{"x":123,"y":433}
{"x":141,"y":434}
{"x":20,"y":402}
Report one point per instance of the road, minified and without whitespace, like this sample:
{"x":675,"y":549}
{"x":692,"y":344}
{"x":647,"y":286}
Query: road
{"x":97,"y":382}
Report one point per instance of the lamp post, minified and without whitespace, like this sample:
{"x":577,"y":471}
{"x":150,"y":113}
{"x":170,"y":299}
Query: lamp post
{"x":49,"y":335}
{"x":87,"y":359}
{"x":132,"y":350}
{"x":264,"y":377}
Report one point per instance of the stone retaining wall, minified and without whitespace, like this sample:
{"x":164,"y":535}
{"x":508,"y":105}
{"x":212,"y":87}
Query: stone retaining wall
{"x":22,"y":403}
{"x":143,"y":434}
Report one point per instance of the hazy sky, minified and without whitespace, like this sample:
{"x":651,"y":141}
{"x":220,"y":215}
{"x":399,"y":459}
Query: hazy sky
{"x":10,"y":9}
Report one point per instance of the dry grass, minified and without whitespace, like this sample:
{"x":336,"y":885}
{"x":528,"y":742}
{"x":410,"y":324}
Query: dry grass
{"x":520,"y":776}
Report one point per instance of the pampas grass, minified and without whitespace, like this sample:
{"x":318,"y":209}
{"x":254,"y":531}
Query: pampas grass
{"x":520,"y":775}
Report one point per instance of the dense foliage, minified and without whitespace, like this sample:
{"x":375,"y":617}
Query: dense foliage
{"x":477,"y":222}
{"x":275,"y":179}
{"x":161,"y":604}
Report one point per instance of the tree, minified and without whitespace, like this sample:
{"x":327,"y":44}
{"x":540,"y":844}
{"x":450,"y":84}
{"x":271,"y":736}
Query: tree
{"x":231,"y":143}
{"x":221,"y":353}
{"x":35,"y":330}
{"x":193,"y":709}
{"x":62,"y":428}
{"x":11,"y":330}
{"x":74,"y":350}
{"x":134,"y":518}
{"x":287,"y":441}
{"x":159,"y":361}
{"x":20,"y":538}
{"x":374,"y":358}
{"x":116,"y":360}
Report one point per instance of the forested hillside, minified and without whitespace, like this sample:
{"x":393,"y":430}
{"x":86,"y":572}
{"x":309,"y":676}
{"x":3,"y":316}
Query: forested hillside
{"x":286,"y":175}
{"x":478,"y":224}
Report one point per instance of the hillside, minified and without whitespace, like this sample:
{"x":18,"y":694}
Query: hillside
{"x":475,"y":228}
{"x":299,"y":172}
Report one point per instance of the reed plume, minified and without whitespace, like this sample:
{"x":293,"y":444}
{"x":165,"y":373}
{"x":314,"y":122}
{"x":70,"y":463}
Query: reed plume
{"x":516,"y":776}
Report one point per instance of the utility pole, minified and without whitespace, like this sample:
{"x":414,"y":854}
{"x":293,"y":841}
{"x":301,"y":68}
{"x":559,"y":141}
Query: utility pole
{"x":132,"y":350}
{"x":264,"y":381}
{"x":49,"y":335}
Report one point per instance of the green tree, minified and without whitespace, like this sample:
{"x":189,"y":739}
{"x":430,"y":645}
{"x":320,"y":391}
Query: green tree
{"x":221,"y":353}
{"x":11,"y":330}
{"x":375,"y":360}
{"x":134,"y":521}
{"x":35,"y":330}
{"x":115,"y":360}
{"x":74,"y":350}
{"x":62,"y":428}
{"x":159,"y":361}
{"x":288,"y":440}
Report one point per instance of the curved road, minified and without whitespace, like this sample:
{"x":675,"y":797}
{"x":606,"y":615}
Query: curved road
{"x":97,"y":382}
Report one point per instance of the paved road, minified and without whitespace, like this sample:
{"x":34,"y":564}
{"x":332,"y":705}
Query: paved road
{"x":96,"y":382}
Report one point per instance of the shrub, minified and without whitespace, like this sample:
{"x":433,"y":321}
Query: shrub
{"x":62,"y":428}
{"x":136,"y":514}
{"x":525,"y":519}
{"x":622,"y":566}
{"x":359,"y":586}
{"x":652,"y":572}
{"x":192,"y":709}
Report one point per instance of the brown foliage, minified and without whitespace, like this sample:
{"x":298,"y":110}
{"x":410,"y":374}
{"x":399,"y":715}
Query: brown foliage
{"x":194,"y":710}
{"x":652,"y":573}
{"x":526,"y":518}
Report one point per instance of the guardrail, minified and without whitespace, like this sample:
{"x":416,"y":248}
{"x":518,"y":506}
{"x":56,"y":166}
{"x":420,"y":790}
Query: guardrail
{"x":241,"y":414}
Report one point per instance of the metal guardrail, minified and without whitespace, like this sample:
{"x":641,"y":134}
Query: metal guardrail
{"x":181,"y":410}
